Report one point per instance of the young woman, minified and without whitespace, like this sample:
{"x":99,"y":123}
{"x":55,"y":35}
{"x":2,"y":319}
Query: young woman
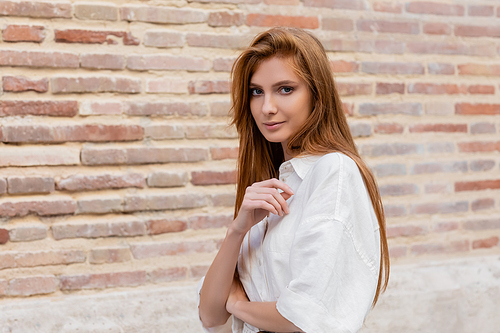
{"x":308,"y":240}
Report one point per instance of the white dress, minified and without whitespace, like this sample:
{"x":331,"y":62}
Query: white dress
{"x":320,"y":262}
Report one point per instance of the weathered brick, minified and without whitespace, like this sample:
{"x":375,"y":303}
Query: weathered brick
{"x":20,"y":83}
{"x":436,"y":89}
{"x":27,"y":233}
{"x":394,"y":210}
{"x":383,"y":88}
{"x":434,"y":8}
{"x":389,"y":47}
{"x":33,"y":285}
{"x":477,"y":185}
{"x":209,"y":221}
{"x":446,"y":226}
{"x":348,"y":109}
{"x":441,"y":147}
{"x":230,"y":1}
{"x":349,"y":89}
{"x":220,"y":108}
{"x":406,"y":231}
{"x":108,"y":255}
{"x":398,"y":189}
{"x":167,"y":62}
{"x":164,"y":131}
{"x":198,"y":271}
{"x":167,"y":85}
{"x":162,"y":14}
{"x":441,"y":68}
{"x":96,"y":11}
{"x":159,"y":249}
{"x":485,"y":243}
{"x":167,"y":179}
{"x":437,"y":188}
{"x":436,"y":28}
{"x":209,"y":87}
{"x":4,"y":237}
{"x":389,"y":128}
{"x":4,"y":284}
{"x":481,"y":89}
{"x":478,"y":69}
{"x":16,"y":58}
{"x":404,"y":68}
{"x":18,"y":185}
{"x":223,"y":64}
{"x":439,"y":208}
{"x":105,"y":227}
{"x":225,"y":19}
{"x":477,"y":109}
{"x":146,"y":202}
{"x":213,"y":177}
{"x":102,"y":61}
{"x":223,"y":199}
{"x":439,"y":108}
{"x":473,"y":10}
{"x":167,"y":274}
{"x":482,"y":204}
{"x":282,"y":2}
{"x":35,"y":9}
{"x":476,"y":31}
{"x":94,"y":37}
{"x":436,"y":167}
{"x":162,"y":226}
{"x":341,"y":66}
{"x":447,"y":128}
{"x":35,"y":156}
{"x":438,"y":248}
{"x":388,"y":7}
{"x":264,"y":20}
{"x":359,"y":129}
{"x":23,"y":33}
{"x":337,"y":24}
{"x":222,"y":153}
{"x":478,"y":146}
{"x":380,"y":26}
{"x":43,"y":206}
{"x":217,"y":131}
{"x":454,"y":48}
{"x":98,"y":182}
{"x":39,"y":108}
{"x":234,"y":41}
{"x":337,"y":4}
{"x":103,"y":280}
{"x":482,"y":224}
{"x":369,"y":109}
{"x":349,"y":45}
{"x":389,"y":169}
{"x":164,"y":38}
{"x":88,"y":108}
{"x":99,"y":204}
{"x":482,"y":165}
{"x":165,"y":108}
{"x":68,"y":85}
{"x":397,"y":251}
{"x":55,"y":257}
{"x":3,"y":185}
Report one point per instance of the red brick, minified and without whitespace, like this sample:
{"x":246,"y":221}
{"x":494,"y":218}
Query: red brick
{"x":482,"y":165}
{"x":406,"y":231}
{"x":162,"y":14}
{"x":27,"y":233}
{"x":336,"y":4}
{"x":397,"y":251}
{"x":440,"y":208}
{"x":478,"y":146}
{"x":225,"y":19}
{"x":220,"y":108}
{"x":159,"y":249}
{"x":481,"y":10}
{"x":162,"y":226}
{"x":479,"y":69}
{"x":213,"y":177}
{"x":398,"y":189}
{"x":165,"y":108}
{"x":482,"y":127}
{"x":24,"y":33}
{"x":391,"y":149}
{"x":445,"y":226}
{"x":33,"y":285}
{"x":441,"y":68}
{"x":168,"y":274}
{"x":383,"y":88}
{"x":448,"y":128}
{"x":427,"y":7}
{"x":170,"y":201}
{"x":404,"y":68}
{"x":199,"y":271}
{"x":477,"y":185}
{"x":39,"y":108}
{"x":89,"y":108}
{"x":98,"y":182}
{"x":66,"y":85}
{"x":4,"y":284}
{"x":210,"y":221}
{"x":238,"y":41}
{"x":341,"y":66}
{"x":223,"y":64}
{"x":167,"y":179}
{"x":94,"y":37}
{"x":104,"y":227}
{"x":164,"y":131}
{"x":35,"y":9}
{"x":3,"y":181}
{"x":348,"y":109}
{"x":103,"y":280}
{"x":436,"y":28}
{"x":389,"y":169}
{"x":102,"y":61}
{"x":347,"y":45}
{"x":263,"y":20}
{"x":167,"y":85}
{"x":16,"y":58}
{"x":394,"y":210}
{"x":481,"y":89}
{"x":44,"y":258}
{"x":482,"y":204}
{"x":482,"y":224}
{"x":360,"y":129}
{"x":378,"y":26}
{"x":231,"y":1}
{"x":209,"y":87}
{"x":96,"y":11}
{"x":164,"y":38}
{"x":435,"y":167}
{"x":485,"y":243}
{"x":97,"y":133}
{"x":368,"y":109}
{"x":99,"y":204}
{"x":477,"y":109}
{"x":282,"y":2}
{"x":222,"y":153}
{"x":476,"y":31}
{"x":350,"y":89}
{"x":389,"y":47}
{"x":388,"y":7}
{"x":438,"y":248}
{"x":337,"y":24}
{"x":454,"y":48}
{"x":435,"y":89}
{"x":22,"y":185}
{"x":54,"y":205}
{"x":20,"y":83}
{"x":167,"y":62}
{"x":41,"y":155}
{"x":109,"y":255}
{"x":436,"y":188}
{"x":4,"y":236}
{"x":215,"y":131}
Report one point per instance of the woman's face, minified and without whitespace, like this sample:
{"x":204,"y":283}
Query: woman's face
{"x":280,"y":101}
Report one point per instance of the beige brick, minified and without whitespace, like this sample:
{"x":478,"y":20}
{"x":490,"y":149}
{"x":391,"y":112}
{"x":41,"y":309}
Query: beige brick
{"x":167,"y":179}
{"x":26,"y":233}
{"x":96,"y":11}
{"x":109,"y":255}
{"x":33,"y":285}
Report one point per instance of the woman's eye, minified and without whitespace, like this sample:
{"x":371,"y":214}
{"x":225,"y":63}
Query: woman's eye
{"x":255,"y":92}
{"x":286,"y":90}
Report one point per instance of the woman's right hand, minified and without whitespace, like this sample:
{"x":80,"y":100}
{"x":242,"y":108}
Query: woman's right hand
{"x":261,"y":199}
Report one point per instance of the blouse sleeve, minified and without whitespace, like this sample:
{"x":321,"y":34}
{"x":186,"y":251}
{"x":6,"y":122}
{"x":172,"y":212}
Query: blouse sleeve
{"x":333,"y":258}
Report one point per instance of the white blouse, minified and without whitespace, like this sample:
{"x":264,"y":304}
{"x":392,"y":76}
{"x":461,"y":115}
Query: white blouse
{"x":320,"y":262}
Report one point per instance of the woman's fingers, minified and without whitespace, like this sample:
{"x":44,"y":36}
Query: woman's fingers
{"x":275,"y":183}
{"x":270,"y":195}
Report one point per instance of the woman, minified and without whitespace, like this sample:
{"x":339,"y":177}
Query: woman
{"x":309,"y":248}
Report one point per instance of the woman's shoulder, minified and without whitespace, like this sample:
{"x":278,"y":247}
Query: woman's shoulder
{"x":336,"y":162}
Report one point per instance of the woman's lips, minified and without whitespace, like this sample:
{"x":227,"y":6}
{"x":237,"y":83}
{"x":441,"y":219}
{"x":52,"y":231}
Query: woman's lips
{"x":273,"y":125}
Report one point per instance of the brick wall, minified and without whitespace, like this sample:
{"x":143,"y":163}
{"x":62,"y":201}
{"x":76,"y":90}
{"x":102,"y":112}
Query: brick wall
{"x":117,"y":162}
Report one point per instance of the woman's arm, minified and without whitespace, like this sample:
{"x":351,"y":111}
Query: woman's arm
{"x":260,"y":199}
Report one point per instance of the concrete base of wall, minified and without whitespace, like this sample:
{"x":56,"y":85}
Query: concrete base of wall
{"x":458,"y":296}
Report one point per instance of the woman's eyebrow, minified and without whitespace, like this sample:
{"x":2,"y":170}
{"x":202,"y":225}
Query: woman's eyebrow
{"x":279,"y":83}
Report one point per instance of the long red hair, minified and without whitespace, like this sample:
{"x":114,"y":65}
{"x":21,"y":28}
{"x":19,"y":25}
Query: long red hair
{"x":325,"y":131}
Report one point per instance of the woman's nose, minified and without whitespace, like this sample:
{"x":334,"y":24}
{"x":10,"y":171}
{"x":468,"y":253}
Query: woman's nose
{"x":269,"y":106}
